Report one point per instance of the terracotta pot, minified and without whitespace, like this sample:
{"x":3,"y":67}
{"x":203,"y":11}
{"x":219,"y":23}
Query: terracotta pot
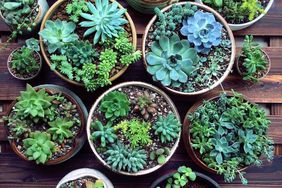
{"x":236,"y":27}
{"x":85,"y":172}
{"x":10,"y":70}
{"x":51,"y":11}
{"x":223,"y":22}
{"x":200,"y":178}
{"x":268,"y":69}
{"x":43,"y":7}
{"x":126,"y":84}
{"x":80,"y":138}
{"x":148,"y":6}
{"x":195,"y":155}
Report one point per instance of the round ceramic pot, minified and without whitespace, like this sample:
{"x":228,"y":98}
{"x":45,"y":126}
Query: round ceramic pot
{"x":15,"y":76}
{"x":201,"y":178}
{"x":236,"y":27}
{"x":52,"y":11}
{"x":127,"y":84}
{"x":148,"y":6}
{"x":43,"y":8}
{"x":81,"y":136}
{"x":268,"y":68}
{"x":230,"y":34}
{"x":85,"y":172}
{"x":194,"y":154}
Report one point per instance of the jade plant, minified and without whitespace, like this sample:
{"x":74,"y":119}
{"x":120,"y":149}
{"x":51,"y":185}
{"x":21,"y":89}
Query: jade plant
{"x":253,"y":63}
{"x":133,"y":129}
{"x":229,"y":136}
{"x":43,"y":124}
{"x":99,"y":55}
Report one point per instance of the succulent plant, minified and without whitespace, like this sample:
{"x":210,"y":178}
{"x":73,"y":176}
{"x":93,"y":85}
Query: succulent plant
{"x":57,"y":33}
{"x":252,"y":7}
{"x":203,"y":31}
{"x":105,"y":133}
{"x":171,"y":60}
{"x":181,"y":177}
{"x":19,"y":128}
{"x":160,"y":155}
{"x":33,"y":44}
{"x":106,"y":20}
{"x":60,"y":129}
{"x":167,"y":128}
{"x":97,"y":184}
{"x":145,"y":105}
{"x":75,"y":8}
{"x":115,"y":104}
{"x":39,"y":147}
{"x":122,"y":157}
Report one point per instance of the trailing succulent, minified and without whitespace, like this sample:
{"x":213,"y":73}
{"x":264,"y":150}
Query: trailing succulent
{"x":105,"y":20}
{"x":203,"y":31}
{"x":171,"y":60}
{"x":230,"y":133}
{"x":122,"y":157}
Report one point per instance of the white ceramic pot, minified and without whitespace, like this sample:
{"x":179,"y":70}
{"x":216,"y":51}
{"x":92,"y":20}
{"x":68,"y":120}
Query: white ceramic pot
{"x":236,"y":27}
{"x":83,"y":172}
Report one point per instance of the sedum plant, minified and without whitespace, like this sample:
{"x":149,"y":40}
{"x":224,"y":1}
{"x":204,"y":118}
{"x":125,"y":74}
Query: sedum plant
{"x":252,"y":8}
{"x":60,"y":129}
{"x":39,"y":147}
{"x":106,"y":133}
{"x":75,"y":8}
{"x":115,"y":104}
{"x":122,"y":157}
{"x":167,"y":128}
{"x":181,"y":177}
{"x":203,"y":31}
{"x":230,"y":134}
{"x":58,"y":33}
{"x":105,"y":20}
{"x":171,"y":60}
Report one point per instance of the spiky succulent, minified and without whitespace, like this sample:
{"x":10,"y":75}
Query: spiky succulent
{"x":106,"y":20}
{"x":39,"y":147}
{"x":60,"y":129}
{"x":122,"y":157}
{"x":203,"y":31}
{"x":167,"y":128}
{"x":106,"y":133}
{"x":171,"y":60}
{"x":57,"y":33}
{"x":115,"y":104}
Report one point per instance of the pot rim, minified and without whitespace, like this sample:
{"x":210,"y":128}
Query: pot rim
{"x":142,"y":85}
{"x":10,"y":70}
{"x":268,"y":60}
{"x":186,"y":130}
{"x":77,"y":139}
{"x":51,"y":11}
{"x":230,"y":34}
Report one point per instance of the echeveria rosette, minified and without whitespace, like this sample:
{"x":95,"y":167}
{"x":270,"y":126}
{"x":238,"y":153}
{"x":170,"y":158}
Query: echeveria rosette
{"x":203,"y":31}
{"x":171,"y":60}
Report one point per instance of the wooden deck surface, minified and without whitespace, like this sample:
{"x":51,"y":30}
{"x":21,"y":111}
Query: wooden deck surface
{"x":17,"y":173}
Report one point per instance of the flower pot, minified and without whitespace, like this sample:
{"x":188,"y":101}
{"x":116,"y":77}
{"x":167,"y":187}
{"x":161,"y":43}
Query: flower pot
{"x":45,"y":54}
{"x":229,"y":35}
{"x":23,"y":78}
{"x":263,"y":75}
{"x":85,"y":172}
{"x":148,"y":6}
{"x":80,"y":137}
{"x":43,"y":7}
{"x":131,"y":86}
{"x":200,"y":180}
{"x":236,"y":27}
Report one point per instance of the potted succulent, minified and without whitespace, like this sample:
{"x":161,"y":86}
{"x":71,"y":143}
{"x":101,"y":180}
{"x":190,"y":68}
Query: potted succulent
{"x":184,"y":177}
{"x":86,"y":48}
{"x":240,"y":14}
{"x":133,"y":128}
{"x":253,"y":63}
{"x":148,"y":6}
{"x":185,"y":56}
{"x":22,"y":15}
{"x":226,"y":133}
{"x":46,"y":124}
{"x":85,"y":177}
{"x":25,"y":63}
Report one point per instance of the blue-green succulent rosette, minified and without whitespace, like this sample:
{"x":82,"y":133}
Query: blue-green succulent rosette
{"x":188,"y":48}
